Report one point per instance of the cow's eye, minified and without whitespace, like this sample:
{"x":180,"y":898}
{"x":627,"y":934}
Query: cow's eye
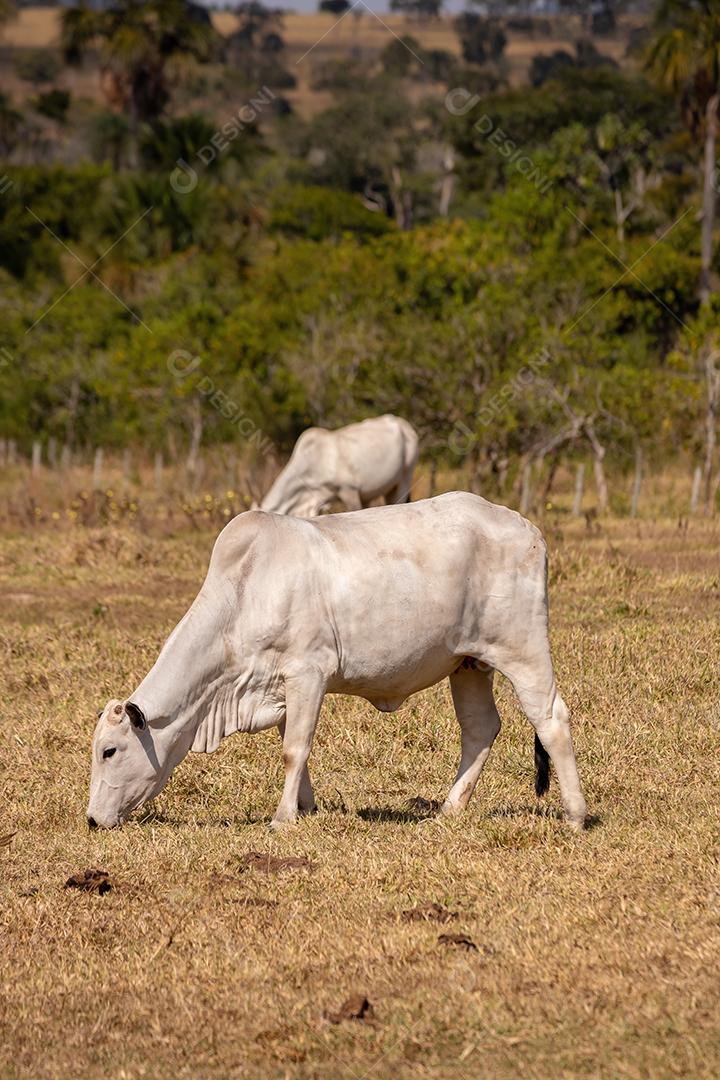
{"x":109,"y":752}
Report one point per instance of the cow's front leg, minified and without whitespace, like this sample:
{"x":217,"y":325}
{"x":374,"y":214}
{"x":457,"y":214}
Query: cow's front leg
{"x":303,"y":699}
{"x":350,"y":497}
{"x":306,"y":796}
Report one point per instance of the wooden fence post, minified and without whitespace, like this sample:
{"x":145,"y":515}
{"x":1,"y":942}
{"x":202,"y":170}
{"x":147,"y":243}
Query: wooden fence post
{"x":637,"y":483}
{"x":158,"y":470}
{"x":695,"y":495}
{"x":97,"y":468}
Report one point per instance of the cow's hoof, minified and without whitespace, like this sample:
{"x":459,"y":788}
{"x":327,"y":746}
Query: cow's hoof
{"x":577,"y":824}
{"x":450,"y":809}
{"x":281,"y":823}
{"x":305,"y":810}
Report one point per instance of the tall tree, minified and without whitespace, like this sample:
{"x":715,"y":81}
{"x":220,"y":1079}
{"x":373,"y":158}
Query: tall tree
{"x":419,"y":9}
{"x":684,"y":54}
{"x":136,"y":40}
{"x":8,"y":10}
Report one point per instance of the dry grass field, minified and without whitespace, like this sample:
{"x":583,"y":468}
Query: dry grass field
{"x":579,"y":956}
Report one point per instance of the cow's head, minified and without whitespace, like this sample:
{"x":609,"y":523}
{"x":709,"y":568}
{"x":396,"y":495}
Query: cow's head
{"x":130,"y":764}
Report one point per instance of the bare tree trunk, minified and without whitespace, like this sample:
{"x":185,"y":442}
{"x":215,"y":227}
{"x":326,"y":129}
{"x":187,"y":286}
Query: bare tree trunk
{"x":637,"y":482}
{"x":712,"y":382}
{"x":526,"y":489}
{"x":402,"y":200}
{"x":196,"y":433}
{"x":447,"y":184}
{"x":133,"y":131}
{"x":72,"y":407}
{"x":708,"y":210}
{"x":598,"y":468}
{"x":619,"y":217}
{"x":36,"y":457}
{"x":550,"y":478}
{"x":579,"y":488}
{"x":695,"y":493}
{"x":396,"y":195}
{"x":433,"y":478}
{"x":503,"y":468}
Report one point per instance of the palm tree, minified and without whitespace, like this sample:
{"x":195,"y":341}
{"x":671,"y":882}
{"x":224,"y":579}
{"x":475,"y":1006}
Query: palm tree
{"x":136,"y":39}
{"x":684,"y":55}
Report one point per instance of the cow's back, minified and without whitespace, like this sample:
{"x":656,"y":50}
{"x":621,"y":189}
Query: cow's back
{"x":371,"y":455}
{"x":408,"y":589}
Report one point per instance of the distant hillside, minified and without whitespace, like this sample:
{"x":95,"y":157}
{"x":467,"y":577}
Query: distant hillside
{"x":312,"y":39}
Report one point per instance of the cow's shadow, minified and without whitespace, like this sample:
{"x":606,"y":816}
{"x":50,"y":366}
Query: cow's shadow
{"x":415,"y":810}
{"x":592,"y":821}
{"x":412,"y":813}
{"x":158,"y":817}
{"x":424,"y":809}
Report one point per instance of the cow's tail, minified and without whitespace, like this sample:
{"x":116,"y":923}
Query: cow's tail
{"x":542,"y":768}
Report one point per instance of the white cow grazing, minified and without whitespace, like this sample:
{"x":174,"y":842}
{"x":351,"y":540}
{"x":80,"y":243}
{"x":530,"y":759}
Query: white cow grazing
{"x":354,"y":464}
{"x":379,"y":604}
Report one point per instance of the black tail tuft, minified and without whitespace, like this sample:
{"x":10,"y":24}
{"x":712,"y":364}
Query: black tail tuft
{"x":542,"y":768}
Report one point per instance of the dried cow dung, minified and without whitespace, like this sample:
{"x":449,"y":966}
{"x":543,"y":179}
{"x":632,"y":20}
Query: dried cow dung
{"x":458,"y":939}
{"x":269,"y":864}
{"x":356,"y":1007}
{"x":97,"y":881}
{"x":428,"y":912}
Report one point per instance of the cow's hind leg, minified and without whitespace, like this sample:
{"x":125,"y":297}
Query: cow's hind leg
{"x":306,"y":796}
{"x":303,"y":699}
{"x":479,"y":724}
{"x":534,"y":684}
{"x":400,"y":493}
{"x":350,"y":498}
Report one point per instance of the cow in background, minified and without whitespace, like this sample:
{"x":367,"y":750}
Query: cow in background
{"x":354,"y":465}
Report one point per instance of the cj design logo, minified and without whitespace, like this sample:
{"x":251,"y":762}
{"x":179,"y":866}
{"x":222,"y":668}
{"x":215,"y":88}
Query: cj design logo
{"x":183,"y":178}
{"x":460,"y":101}
{"x":5,"y":184}
{"x":181,"y":363}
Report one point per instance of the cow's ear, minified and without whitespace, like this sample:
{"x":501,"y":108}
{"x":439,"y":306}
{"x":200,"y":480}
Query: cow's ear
{"x":137,"y":716}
